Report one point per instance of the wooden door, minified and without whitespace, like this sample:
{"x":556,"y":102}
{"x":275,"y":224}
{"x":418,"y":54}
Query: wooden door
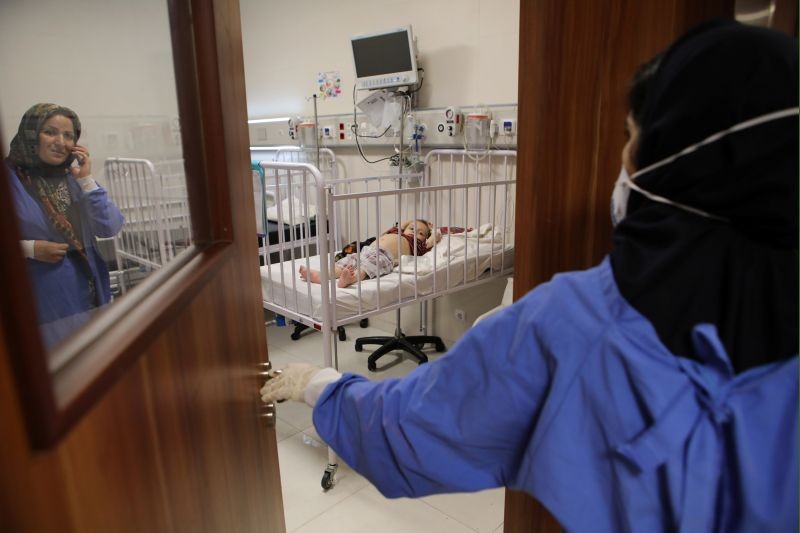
{"x":575,"y":63}
{"x":169,"y":436}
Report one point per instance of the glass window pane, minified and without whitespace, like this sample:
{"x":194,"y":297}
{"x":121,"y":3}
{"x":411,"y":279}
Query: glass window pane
{"x":92,"y":144}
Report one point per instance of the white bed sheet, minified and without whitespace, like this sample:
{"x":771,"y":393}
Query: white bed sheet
{"x":451,"y":254}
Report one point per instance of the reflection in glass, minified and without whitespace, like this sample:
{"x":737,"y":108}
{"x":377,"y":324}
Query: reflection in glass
{"x":61,"y":211}
{"x":119,"y":78}
{"x":154,"y":200}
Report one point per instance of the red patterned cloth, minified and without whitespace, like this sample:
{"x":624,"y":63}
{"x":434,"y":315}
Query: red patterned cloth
{"x":452,"y":229}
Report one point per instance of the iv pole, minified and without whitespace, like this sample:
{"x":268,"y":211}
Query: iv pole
{"x":411,"y":344}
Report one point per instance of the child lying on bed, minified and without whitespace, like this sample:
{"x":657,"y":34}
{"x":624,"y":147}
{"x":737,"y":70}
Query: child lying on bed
{"x":381,"y":256}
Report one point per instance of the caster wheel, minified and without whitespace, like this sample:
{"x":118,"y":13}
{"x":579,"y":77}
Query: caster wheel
{"x":329,"y":477}
{"x":294,"y":336}
{"x":441,"y":347}
{"x":359,"y":348}
{"x":342,"y":333}
{"x":364,"y":322}
{"x":372,"y":367}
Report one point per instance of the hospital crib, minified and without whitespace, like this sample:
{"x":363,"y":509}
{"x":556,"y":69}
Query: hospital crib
{"x":271,"y":221}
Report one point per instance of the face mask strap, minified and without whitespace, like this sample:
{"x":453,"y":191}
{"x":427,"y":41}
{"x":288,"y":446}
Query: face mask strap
{"x":660,"y":199}
{"x":769,"y":117}
{"x":775,"y":115}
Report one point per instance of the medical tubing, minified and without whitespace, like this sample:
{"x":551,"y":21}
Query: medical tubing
{"x":354,"y":128}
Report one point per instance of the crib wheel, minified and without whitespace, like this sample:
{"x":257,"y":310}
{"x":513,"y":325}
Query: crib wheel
{"x":440,"y":347}
{"x":298,"y":328}
{"x":359,"y":348}
{"x":364,"y":322}
{"x":329,"y":477}
{"x":342,"y":333}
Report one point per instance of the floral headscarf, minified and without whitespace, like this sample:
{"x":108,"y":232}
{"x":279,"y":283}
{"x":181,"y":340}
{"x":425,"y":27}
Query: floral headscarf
{"x":25,"y":144}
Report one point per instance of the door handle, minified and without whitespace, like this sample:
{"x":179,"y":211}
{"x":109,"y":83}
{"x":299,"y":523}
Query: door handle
{"x":263,"y":371}
{"x":267,"y":411}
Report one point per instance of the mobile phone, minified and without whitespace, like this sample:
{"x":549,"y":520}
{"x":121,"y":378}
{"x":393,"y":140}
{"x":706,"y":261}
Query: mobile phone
{"x":70,"y":158}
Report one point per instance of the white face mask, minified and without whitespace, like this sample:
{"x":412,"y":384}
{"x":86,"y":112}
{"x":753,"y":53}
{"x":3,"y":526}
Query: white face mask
{"x":624,"y":184}
{"x":619,"y":197}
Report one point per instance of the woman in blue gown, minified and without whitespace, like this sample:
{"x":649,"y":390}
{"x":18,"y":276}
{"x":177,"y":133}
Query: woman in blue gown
{"x":657,"y":391}
{"x":61,"y":210}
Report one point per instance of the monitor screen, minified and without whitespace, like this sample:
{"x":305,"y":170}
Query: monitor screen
{"x":382,"y":54}
{"x":385,"y":60}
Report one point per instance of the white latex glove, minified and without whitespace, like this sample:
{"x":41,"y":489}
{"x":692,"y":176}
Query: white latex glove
{"x":299,"y":382}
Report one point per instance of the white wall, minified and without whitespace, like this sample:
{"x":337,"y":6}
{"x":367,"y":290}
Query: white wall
{"x":108,"y":60}
{"x":468,"y":48}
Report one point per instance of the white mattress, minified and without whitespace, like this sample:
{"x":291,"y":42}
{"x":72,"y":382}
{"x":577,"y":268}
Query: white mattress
{"x":459,"y":255}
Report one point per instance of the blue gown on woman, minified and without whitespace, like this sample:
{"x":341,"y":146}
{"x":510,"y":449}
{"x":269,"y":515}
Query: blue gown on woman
{"x":586,"y":411}
{"x":62,"y":300}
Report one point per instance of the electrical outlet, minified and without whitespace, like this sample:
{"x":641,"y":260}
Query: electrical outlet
{"x":460,"y":315}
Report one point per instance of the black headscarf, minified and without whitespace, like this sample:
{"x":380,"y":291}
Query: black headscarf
{"x":679,"y":269}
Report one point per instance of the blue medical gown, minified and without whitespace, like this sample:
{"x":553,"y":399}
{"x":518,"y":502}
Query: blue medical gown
{"x":570,"y":396}
{"x":60,"y":289}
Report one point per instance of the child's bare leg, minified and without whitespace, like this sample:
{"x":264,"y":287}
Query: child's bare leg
{"x":309,"y":274}
{"x":348,"y":276}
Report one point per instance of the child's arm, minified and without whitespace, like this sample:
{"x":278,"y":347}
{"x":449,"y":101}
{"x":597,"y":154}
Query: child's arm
{"x":435,"y":237}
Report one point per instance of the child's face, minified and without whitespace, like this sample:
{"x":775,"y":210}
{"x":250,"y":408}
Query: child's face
{"x":420,"y":227}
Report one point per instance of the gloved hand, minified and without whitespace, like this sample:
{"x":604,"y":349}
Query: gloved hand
{"x":299,"y":382}
{"x":289,"y":383}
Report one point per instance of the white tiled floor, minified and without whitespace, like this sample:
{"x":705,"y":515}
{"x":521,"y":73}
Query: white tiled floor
{"x":354,"y":505}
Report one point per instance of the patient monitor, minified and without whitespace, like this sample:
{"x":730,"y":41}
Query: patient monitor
{"x":386,"y":59}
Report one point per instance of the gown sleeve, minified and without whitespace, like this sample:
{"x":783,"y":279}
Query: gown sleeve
{"x":461,"y":423}
{"x":105,"y":216}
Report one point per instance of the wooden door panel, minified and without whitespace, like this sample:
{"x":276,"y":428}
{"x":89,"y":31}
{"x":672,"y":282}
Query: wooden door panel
{"x":111,"y":463}
{"x":32,"y":486}
{"x":212,"y":438}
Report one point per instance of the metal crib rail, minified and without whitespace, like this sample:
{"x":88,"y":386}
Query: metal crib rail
{"x":153,"y":199}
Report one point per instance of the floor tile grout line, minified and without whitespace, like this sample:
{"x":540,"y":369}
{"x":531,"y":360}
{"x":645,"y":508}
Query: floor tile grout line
{"x":331,"y":507}
{"x":471,"y":528}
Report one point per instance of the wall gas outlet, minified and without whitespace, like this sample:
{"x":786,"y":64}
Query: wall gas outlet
{"x":509,"y":127}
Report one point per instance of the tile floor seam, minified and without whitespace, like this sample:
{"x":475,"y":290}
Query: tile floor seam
{"x":290,"y":424}
{"x":471,"y":528}
{"x":340,"y":502}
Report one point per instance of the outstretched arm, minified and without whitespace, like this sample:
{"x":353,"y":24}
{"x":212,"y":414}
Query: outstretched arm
{"x":458,"y":424}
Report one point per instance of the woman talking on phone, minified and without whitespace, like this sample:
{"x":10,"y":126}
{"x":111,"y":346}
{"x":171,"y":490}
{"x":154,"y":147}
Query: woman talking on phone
{"x":61,"y":210}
